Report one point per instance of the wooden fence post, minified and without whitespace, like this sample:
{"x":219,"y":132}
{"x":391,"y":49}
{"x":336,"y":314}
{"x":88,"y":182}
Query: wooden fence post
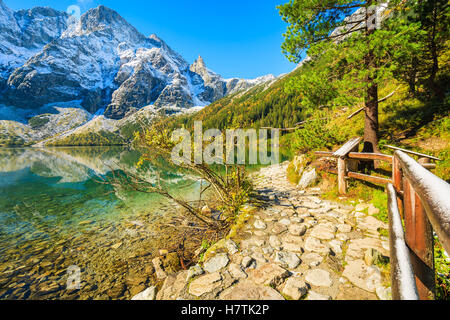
{"x":419,"y":237}
{"x":342,"y":172}
{"x":397,"y":182}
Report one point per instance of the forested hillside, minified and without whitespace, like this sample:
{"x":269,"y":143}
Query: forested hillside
{"x":258,"y":107}
{"x":410,"y":73}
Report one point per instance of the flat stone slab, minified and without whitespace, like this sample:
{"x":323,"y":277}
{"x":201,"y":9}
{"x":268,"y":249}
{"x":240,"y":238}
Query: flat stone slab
{"x":362,"y":276}
{"x":279,"y":228}
{"x":314,"y":245}
{"x":336,"y":246}
{"x":231,"y":246}
{"x":345,"y":228}
{"x":313,"y":259}
{"x":295,"y":288}
{"x":194,"y":271}
{"x":269,"y":274}
{"x":372,"y":224}
{"x":318,"y":277}
{"x":297,"y":229}
{"x":250,"y":291}
{"x":292,"y":239}
{"x":357,"y":247}
{"x":259,"y":224}
{"x":274,"y":241}
{"x":287,"y":259}
{"x":172,"y":287}
{"x":236,"y":271}
{"x":292,"y":247}
{"x":216,"y":263}
{"x":324,"y":231}
{"x":312,"y":295}
{"x":205,"y":284}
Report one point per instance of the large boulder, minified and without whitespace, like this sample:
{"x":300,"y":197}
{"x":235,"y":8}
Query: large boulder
{"x":309,"y":177}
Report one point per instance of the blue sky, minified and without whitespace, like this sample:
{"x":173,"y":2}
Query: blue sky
{"x":237,"y":38}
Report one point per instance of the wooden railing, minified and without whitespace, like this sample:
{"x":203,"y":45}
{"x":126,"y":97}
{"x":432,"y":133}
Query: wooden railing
{"x":424,"y":200}
{"x":348,"y":159}
{"x":421,"y":200}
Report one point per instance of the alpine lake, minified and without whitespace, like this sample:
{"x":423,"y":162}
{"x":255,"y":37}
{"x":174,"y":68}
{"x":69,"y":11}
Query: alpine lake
{"x":56,"y":215}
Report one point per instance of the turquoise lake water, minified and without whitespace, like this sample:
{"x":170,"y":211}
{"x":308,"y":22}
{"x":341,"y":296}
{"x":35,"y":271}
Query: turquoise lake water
{"x":55,"y":214}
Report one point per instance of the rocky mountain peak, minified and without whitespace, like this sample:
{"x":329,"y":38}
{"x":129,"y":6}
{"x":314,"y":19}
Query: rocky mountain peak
{"x":200,"y":62}
{"x":104,"y":19}
{"x":199,"y":66}
{"x":101,"y":16}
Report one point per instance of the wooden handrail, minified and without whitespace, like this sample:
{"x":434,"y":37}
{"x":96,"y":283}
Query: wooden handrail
{"x":370,"y":156}
{"x":434,"y":194}
{"x":348,"y":147}
{"x":403,"y":284}
{"x":424,"y":201}
{"x":324,"y":153}
{"x":422,"y":155}
{"x":371,"y":179}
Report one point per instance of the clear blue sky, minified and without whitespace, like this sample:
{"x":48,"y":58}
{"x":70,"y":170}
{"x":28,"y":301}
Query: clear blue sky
{"x":237,"y":38}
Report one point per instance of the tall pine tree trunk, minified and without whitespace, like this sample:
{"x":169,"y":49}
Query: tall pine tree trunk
{"x":371,"y":120}
{"x":371,"y":100}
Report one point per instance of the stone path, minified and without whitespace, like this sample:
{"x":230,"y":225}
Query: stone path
{"x":300,"y":247}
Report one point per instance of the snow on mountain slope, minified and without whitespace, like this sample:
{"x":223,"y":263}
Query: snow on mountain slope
{"x":101,"y":60}
{"x":24,"y":33}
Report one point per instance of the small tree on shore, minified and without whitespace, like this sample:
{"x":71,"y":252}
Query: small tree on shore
{"x":230,"y":184}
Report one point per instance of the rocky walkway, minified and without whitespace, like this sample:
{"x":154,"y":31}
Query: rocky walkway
{"x":299,"y":247}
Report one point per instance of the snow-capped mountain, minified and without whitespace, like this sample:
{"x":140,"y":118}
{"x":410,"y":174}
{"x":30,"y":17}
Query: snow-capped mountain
{"x":24,"y":33}
{"x":100,"y":61}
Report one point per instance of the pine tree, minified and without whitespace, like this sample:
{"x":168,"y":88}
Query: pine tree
{"x":312,"y":22}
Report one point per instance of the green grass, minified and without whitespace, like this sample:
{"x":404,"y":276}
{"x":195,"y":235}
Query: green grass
{"x":442,"y":267}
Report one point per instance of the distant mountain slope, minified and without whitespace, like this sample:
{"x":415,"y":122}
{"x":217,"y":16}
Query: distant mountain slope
{"x":266,"y":104}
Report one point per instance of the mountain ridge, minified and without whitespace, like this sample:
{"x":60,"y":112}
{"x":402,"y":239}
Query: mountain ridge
{"x":102,"y":60}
